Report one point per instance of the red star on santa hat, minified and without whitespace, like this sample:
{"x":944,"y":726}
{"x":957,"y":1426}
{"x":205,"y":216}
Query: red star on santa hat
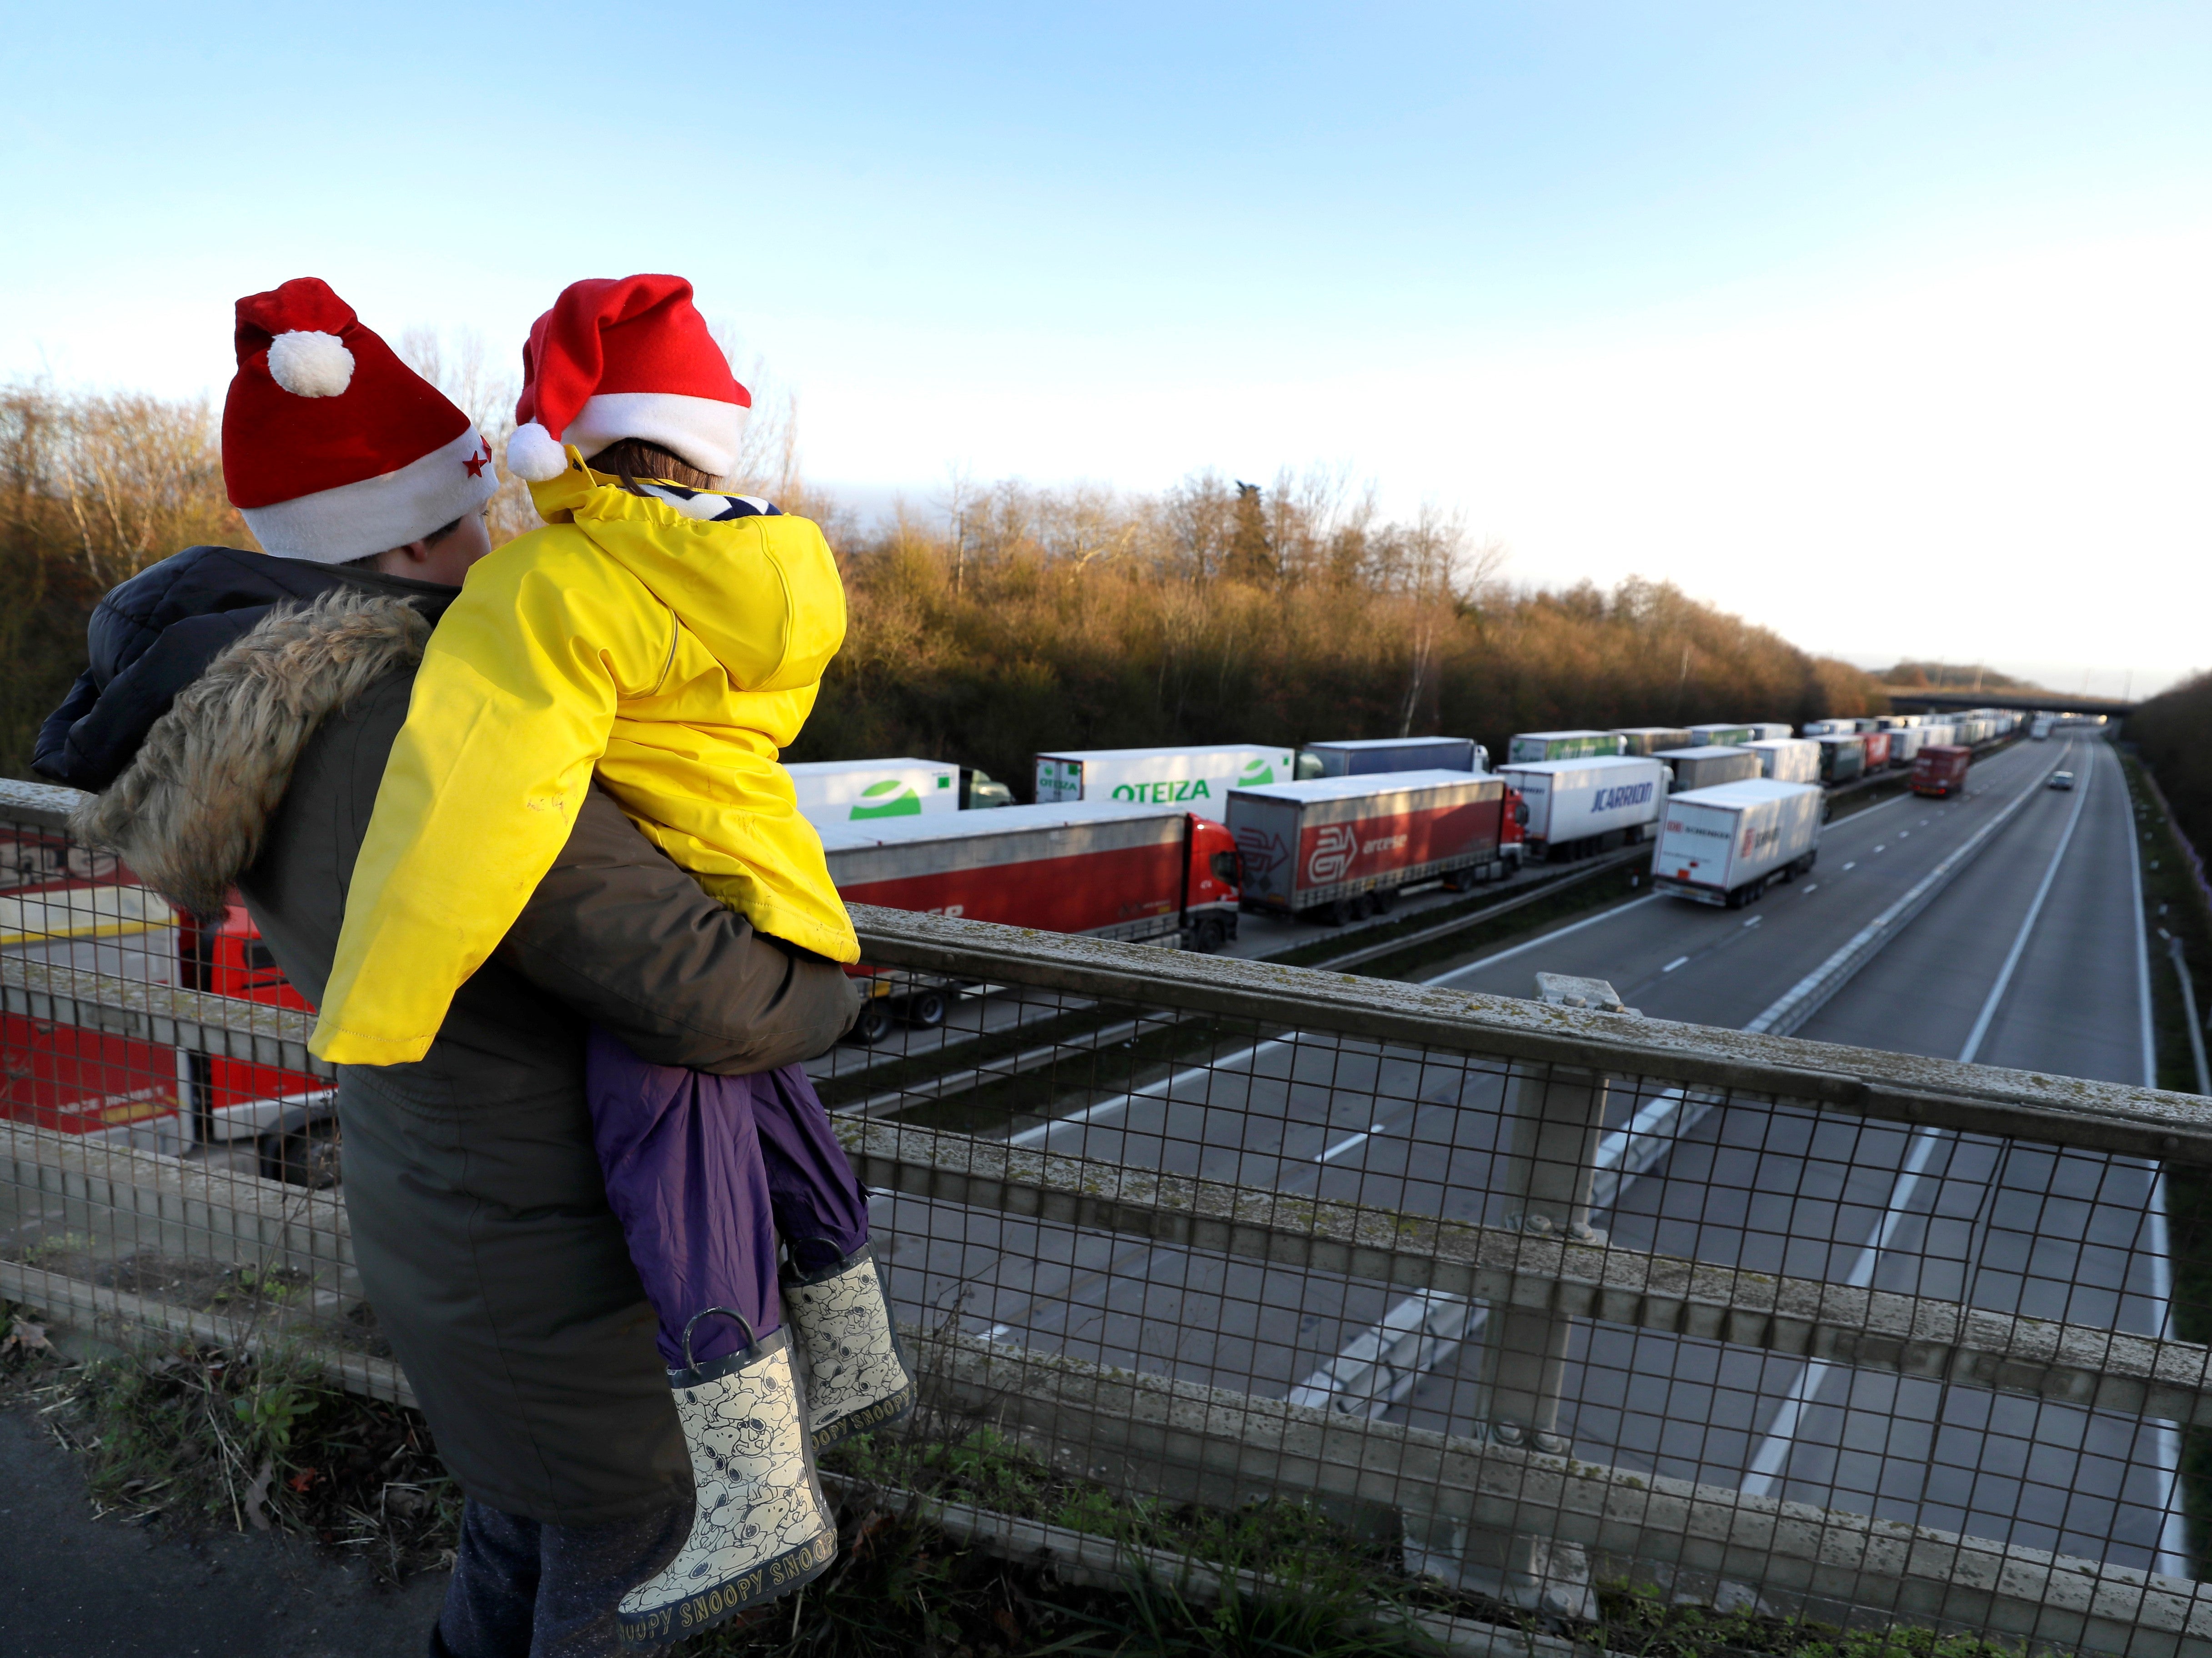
{"x":478,"y":462}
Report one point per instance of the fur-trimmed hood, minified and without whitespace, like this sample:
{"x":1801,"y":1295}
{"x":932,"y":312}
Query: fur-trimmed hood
{"x":189,"y":811}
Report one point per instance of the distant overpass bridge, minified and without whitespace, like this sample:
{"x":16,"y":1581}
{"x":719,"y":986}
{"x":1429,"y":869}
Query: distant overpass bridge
{"x":1919,"y":698}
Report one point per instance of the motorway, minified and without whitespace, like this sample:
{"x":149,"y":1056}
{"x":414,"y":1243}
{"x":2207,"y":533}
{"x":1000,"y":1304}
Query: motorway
{"x":2031,"y":957}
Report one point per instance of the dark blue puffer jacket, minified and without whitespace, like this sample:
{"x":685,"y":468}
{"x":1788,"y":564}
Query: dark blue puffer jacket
{"x":150,"y":637}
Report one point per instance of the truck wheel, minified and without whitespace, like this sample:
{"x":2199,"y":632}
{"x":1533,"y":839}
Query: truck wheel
{"x":1362,"y":906}
{"x":1213,"y":934}
{"x":306,"y":1156}
{"x":1386,"y":900}
{"x":926,"y":1009}
{"x":874,"y":1022}
{"x":1335,"y":913}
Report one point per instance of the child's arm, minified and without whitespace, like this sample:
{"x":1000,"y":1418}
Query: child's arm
{"x":511,"y":708}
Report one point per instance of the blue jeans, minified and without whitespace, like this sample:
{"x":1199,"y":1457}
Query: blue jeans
{"x":523,"y":1589}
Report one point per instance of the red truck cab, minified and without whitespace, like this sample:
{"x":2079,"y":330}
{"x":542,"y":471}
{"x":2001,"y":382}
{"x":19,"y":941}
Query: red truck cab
{"x":1941,"y":770}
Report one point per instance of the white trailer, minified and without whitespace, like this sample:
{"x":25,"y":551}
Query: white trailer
{"x":1830,"y":728}
{"x":1904,"y":742}
{"x":1574,"y":805}
{"x":1650,"y":739}
{"x":1532,"y":748}
{"x":1198,"y":778}
{"x":1943,"y":735}
{"x":1768,"y":730}
{"x":1367,"y":756}
{"x":1720,"y":736}
{"x":1709,"y":763}
{"x":1788,"y":759}
{"x":859,"y":790}
{"x":1723,"y":846}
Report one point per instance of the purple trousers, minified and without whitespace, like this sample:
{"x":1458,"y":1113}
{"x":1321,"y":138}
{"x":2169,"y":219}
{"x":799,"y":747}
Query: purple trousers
{"x":704,"y":1173}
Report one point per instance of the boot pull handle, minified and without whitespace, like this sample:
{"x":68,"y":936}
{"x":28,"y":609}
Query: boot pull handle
{"x":690,"y":1363}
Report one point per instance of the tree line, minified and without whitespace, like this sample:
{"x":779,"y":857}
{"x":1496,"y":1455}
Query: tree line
{"x":1009,"y":619}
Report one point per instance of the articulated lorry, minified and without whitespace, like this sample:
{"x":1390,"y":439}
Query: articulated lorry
{"x":1724,"y":845}
{"x":1195,"y":777}
{"x":1707,"y":764}
{"x":1099,"y":868}
{"x":123,"y":1091}
{"x":858,"y":791}
{"x":1843,"y":756}
{"x":1337,"y":849}
{"x":1721,"y":737}
{"x":1576,"y":807}
{"x":1788,"y":759}
{"x":1877,"y":749}
{"x":1940,"y":769}
{"x":1367,"y":756}
{"x":1534,"y":748}
{"x":1650,"y":739}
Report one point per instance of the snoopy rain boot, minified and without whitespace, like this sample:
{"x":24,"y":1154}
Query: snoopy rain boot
{"x":760,"y":1528}
{"x":857,"y":1375}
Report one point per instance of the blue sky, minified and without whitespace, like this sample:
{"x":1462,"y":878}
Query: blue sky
{"x":1798,"y":306}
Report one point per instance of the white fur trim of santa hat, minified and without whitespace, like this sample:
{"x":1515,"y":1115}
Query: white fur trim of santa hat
{"x":705,"y":432}
{"x":334,"y":527}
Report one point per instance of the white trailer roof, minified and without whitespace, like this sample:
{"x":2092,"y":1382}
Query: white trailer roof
{"x":1000,"y":820}
{"x":1553,"y":767}
{"x":1706,"y":751}
{"x":1161,"y":748}
{"x":837,"y":768}
{"x":1373,"y":782}
{"x":1748,"y":792}
{"x":1385,"y":742}
{"x":1586,"y":733}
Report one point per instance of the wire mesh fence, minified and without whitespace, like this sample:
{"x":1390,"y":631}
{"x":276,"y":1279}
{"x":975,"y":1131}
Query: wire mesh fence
{"x":1521,"y":1305}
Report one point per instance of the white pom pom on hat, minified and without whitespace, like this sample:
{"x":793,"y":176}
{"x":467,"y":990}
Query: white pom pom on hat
{"x":310,"y":364}
{"x":534,"y":454}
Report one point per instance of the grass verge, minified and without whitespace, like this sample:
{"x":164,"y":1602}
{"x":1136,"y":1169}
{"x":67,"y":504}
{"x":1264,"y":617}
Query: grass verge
{"x":2173,"y":907}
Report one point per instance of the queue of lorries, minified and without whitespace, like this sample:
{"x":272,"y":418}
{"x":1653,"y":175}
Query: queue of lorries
{"x":1173,"y":844}
{"x":1167,"y":846}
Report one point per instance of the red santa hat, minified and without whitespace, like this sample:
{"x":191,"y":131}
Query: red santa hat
{"x":625,"y":357}
{"x":332,"y":448}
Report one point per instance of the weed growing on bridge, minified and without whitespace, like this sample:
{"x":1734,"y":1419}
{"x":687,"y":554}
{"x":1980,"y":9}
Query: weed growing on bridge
{"x":193,"y":1436}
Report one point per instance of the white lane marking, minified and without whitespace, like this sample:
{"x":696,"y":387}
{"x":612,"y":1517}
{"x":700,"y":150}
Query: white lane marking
{"x":1561,"y":932}
{"x":1806,"y":995}
{"x":1852,"y":864}
{"x":1167,"y":1085}
{"x":1680,"y":961}
{"x":2020,"y":939}
{"x":1763,"y":1478}
{"x":1754,"y":920}
{"x":1811,"y":886}
{"x":1349,"y":1141}
{"x":1765,"y":1475}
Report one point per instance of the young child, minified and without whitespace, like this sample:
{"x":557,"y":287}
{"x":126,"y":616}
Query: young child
{"x":667,"y":641}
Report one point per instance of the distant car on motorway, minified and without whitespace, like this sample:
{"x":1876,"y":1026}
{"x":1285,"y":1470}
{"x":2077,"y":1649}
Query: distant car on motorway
{"x":2062,"y":780}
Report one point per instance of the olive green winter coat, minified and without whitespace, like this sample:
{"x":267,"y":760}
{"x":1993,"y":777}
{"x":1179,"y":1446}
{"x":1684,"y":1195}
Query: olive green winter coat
{"x":480,"y":1225}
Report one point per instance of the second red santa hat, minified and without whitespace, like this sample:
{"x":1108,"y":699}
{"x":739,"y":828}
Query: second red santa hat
{"x":625,"y":357}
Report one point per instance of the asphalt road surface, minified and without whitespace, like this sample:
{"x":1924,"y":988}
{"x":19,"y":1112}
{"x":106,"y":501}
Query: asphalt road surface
{"x":2045,"y":915}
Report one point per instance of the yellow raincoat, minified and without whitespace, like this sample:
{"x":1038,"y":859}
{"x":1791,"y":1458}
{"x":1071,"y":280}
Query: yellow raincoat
{"x":674,"y":655}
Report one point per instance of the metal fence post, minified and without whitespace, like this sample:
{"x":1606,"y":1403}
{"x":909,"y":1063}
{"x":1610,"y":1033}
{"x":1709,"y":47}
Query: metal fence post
{"x":1546,"y":1181}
